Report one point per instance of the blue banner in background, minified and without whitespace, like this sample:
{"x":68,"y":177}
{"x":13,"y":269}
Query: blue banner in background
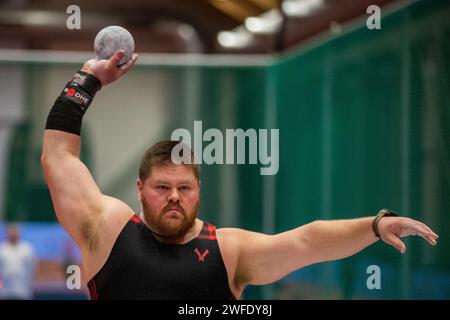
{"x":49,"y":241}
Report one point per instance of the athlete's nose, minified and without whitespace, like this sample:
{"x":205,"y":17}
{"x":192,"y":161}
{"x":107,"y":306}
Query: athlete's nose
{"x":174,"y":196}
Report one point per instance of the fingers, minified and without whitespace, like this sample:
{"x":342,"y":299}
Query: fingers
{"x":435,"y":235}
{"x":430,"y":240}
{"x":127,"y":66}
{"x":395,"y":241}
{"x":116,"y":57}
{"x":425,"y":232}
{"x":412,"y":227}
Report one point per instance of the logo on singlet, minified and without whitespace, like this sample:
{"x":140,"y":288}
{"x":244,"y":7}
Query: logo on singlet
{"x":201,"y":256}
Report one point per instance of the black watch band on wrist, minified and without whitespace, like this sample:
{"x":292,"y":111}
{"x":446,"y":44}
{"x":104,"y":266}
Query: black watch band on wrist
{"x":382,"y":213}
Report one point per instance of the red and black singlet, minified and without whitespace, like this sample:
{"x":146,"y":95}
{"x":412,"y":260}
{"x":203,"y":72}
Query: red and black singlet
{"x":141,"y":267}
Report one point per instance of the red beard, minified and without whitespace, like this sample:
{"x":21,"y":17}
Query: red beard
{"x":166,"y":226}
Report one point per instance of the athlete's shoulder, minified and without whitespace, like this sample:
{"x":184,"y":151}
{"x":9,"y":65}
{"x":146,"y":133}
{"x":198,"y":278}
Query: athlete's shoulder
{"x":234,"y":232}
{"x":231,"y":235}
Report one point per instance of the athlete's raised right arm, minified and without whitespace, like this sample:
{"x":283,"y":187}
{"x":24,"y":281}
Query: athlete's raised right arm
{"x":77,"y":200}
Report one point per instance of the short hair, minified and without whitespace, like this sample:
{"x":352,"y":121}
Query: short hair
{"x":161,"y":153}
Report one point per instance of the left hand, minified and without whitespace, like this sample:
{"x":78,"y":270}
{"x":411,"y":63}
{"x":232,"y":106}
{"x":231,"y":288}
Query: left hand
{"x":391,"y":229}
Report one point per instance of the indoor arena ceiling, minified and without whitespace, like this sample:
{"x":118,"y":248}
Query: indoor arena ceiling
{"x":173,"y":26}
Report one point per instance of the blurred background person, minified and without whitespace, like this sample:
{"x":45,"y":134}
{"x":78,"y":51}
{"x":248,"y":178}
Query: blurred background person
{"x":17,"y":266}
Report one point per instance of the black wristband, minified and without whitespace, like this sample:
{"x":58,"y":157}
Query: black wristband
{"x":66,"y":116}
{"x":382,"y":213}
{"x":76,"y":94}
{"x":88,"y":82}
{"x":69,"y":108}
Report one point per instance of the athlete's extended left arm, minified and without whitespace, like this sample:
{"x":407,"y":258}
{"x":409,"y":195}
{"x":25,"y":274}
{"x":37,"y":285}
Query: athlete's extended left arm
{"x":267,"y":258}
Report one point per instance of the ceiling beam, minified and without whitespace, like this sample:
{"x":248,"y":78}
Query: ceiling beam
{"x":239,"y":10}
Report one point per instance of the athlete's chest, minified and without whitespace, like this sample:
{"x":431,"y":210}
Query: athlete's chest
{"x":152,"y":269}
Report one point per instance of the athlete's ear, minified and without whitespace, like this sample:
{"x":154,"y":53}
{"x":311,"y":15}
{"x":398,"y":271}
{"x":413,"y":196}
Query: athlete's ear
{"x":139,"y":185}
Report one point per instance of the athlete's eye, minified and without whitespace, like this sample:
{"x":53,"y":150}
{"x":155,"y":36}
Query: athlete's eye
{"x":185,"y":188}
{"x":162,"y":187}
